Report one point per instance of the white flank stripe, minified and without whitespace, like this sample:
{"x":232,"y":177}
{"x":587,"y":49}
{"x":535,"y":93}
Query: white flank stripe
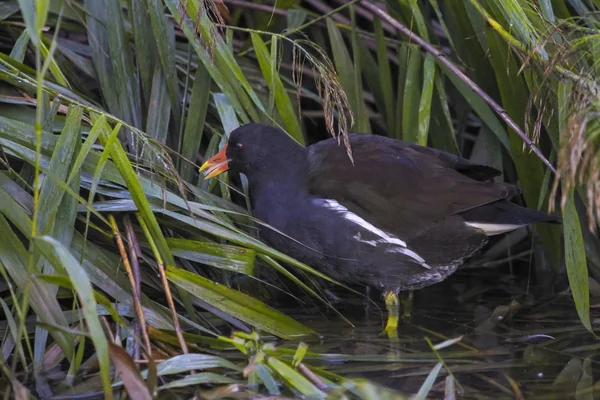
{"x":385,"y":238}
{"x":334,"y":205}
{"x":493,"y":229}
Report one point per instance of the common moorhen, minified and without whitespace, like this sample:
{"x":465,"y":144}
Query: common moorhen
{"x":401,"y":218}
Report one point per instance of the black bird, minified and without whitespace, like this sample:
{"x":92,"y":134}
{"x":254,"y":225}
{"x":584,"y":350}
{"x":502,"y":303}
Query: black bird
{"x":401,"y":218}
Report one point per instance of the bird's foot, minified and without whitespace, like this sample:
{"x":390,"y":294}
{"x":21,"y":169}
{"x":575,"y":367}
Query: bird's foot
{"x":393,"y":307}
{"x":391,"y":328}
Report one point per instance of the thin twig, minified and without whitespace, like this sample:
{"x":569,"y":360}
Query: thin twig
{"x":132,"y":282}
{"x":441,"y":57}
{"x":134,"y":255}
{"x":165,"y":284}
{"x":311,"y":376}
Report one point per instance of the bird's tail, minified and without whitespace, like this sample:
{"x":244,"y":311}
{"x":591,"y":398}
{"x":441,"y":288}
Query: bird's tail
{"x":503,"y":216}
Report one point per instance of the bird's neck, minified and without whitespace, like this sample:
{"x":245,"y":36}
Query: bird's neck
{"x":271,"y":188}
{"x":280,"y":183}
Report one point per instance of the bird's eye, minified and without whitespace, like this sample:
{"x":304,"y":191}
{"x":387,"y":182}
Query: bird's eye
{"x":239,"y":145}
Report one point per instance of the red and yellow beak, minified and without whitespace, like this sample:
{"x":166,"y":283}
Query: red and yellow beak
{"x":216,"y":165}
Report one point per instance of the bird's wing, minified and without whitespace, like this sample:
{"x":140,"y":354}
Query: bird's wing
{"x":402,"y":188}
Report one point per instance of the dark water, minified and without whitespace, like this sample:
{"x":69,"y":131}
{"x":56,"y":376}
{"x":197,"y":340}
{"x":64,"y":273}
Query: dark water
{"x":519,"y":340}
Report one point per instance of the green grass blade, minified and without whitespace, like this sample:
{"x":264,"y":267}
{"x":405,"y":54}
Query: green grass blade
{"x":411,"y":101}
{"x":480,"y":107}
{"x":127,"y":172}
{"x":385,"y":76}
{"x":60,"y":166}
{"x":424,"y":114}
{"x":20,"y":47}
{"x":282,"y":100}
{"x":29,"y":11}
{"x":222,"y":67}
{"x":295,"y":379}
{"x":238,"y":304}
{"x":96,"y":28}
{"x":363,"y":124}
{"x":202,"y":378}
{"x":232,"y":258}
{"x":159,"y":109}
{"x":575,"y":260}
{"x":164,"y":35}
{"x":146,"y":52}
{"x":194,"y":125}
{"x":191,"y":362}
{"x":346,"y":71}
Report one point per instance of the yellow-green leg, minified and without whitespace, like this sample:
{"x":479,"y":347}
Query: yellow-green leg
{"x":392,"y":304}
{"x":406,"y":302}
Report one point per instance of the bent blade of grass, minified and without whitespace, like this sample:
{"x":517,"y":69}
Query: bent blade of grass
{"x":232,"y":258}
{"x":242,"y":239}
{"x":127,"y":172}
{"x":238,"y":304}
{"x":278,"y":267}
{"x":61,"y":258}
